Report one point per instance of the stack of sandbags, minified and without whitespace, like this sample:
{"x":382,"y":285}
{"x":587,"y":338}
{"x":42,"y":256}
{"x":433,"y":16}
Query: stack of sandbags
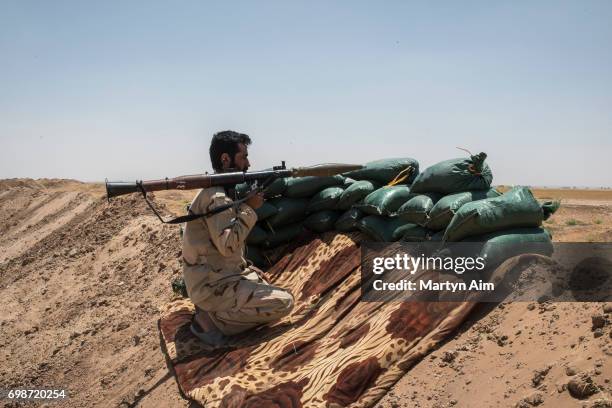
{"x":294,"y":205}
{"x":506,"y":225}
{"x":382,"y":186}
{"x":389,"y":200}
{"x":517,"y":208}
{"x":440,"y":190}
{"x":455,"y":202}
{"x":404,"y":212}
{"x":291,"y":205}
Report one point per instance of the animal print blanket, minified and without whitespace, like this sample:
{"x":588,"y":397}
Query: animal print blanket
{"x":333,"y":350}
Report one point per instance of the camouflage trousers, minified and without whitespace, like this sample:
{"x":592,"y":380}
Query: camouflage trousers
{"x":241,"y":305}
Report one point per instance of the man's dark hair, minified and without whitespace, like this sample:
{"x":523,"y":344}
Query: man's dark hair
{"x":226,"y":142}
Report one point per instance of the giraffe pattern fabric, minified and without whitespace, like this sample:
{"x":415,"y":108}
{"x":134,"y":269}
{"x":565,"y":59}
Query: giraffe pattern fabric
{"x":333,"y":350}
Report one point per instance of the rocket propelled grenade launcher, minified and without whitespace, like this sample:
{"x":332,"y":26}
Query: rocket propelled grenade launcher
{"x":114,"y":189}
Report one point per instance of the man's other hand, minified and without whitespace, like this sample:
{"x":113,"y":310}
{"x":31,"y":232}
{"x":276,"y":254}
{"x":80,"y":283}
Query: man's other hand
{"x":255,"y":201}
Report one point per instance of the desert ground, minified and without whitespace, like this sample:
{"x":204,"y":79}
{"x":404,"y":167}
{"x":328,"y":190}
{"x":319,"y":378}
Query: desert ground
{"x":82,"y":281}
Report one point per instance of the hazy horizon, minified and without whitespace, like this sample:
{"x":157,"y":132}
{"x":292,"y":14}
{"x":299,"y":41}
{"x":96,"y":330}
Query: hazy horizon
{"x":135,"y":90}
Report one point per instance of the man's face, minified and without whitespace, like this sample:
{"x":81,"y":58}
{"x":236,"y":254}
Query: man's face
{"x":241,"y":159}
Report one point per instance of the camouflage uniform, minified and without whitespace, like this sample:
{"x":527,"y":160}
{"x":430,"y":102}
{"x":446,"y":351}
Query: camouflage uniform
{"x":218,"y":278}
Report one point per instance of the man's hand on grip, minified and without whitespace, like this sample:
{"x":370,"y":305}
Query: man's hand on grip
{"x":255,"y":201}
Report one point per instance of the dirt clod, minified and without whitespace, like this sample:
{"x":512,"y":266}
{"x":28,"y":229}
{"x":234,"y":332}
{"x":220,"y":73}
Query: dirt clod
{"x":539,"y":375}
{"x":449,"y":356}
{"x":601,"y":403}
{"x":598,"y":321}
{"x":532,"y":400}
{"x":582,"y":386}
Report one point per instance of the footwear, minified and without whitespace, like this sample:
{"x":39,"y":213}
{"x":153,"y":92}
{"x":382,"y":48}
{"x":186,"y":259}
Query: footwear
{"x":212,"y":339}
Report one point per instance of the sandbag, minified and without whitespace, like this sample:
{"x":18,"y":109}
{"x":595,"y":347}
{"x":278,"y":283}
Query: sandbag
{"x":301,"y":187}
{"x":356,"y":192}
{"x":385,"y":170}
{"x":385,"y":201}
{"x":326,"y":199}
{"x":267,"y":210}
{"x":416,"y":210}
{"x":257,"y":236}
{"x":455,"y":175}
{"x":289,"y":210}
{"x":254,"y":255}
{"x":283,"y":235}
{"x":321,"y":221}
{"x":380,"y":228}
{"x":437,"y":236}
{"x":516,"y":208}
{"x":348,"y":181}
{"x":242,"y":189}
{"x":501,"y":245}
{"x":442,"y":212}
{"x":411,"y":233}
{"x":348,"y":220}
{"x":276,"y":188}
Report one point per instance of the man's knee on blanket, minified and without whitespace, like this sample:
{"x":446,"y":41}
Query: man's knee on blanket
{"x":279,"y":305}
{"x":257,"y":305}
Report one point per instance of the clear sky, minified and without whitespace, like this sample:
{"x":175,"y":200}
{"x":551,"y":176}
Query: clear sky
{"x":135,"y":89}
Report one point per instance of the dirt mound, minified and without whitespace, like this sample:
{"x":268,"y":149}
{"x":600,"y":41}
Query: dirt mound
{"x":82,"y":280}
{"x":37,"y":184}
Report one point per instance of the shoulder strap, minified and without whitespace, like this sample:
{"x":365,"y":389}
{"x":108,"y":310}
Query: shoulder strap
{"x":191,"y":216}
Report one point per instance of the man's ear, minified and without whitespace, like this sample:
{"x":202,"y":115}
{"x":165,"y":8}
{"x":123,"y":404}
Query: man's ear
{"x":225,"y":160}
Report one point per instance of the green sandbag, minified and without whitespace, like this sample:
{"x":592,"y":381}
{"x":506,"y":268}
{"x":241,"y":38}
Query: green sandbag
{"x":516,"y":208}
{"x":267,"y":210}
{"x":416,"y":210}
{"x":348,"y":220}
{"x":385,"y":201}
{"x":501,"y":245}
{"x":326,"y":199}
{"x":380,"y":228}
{"x":276,"y":188}
{"x":437,"y":236}
{"x":257,"y":236}
{"x":385,"y":170}
{"x":254,"y":255}
{"x":355,"y":193}
{"x":321,"y":221}
{"x":411,"y":233}
{"x":550,"y":207}
{"x":289,"y":210}
{"x":283,"y":235}
{"x":348,"y":181}
{"x":442,"y":212}
{"x":242,"y":189}
{"x":302,"y":187}
{"x":455,"y":175}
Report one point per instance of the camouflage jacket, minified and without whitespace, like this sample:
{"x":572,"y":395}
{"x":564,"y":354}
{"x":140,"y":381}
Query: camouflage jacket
{"x":213,"y":247}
